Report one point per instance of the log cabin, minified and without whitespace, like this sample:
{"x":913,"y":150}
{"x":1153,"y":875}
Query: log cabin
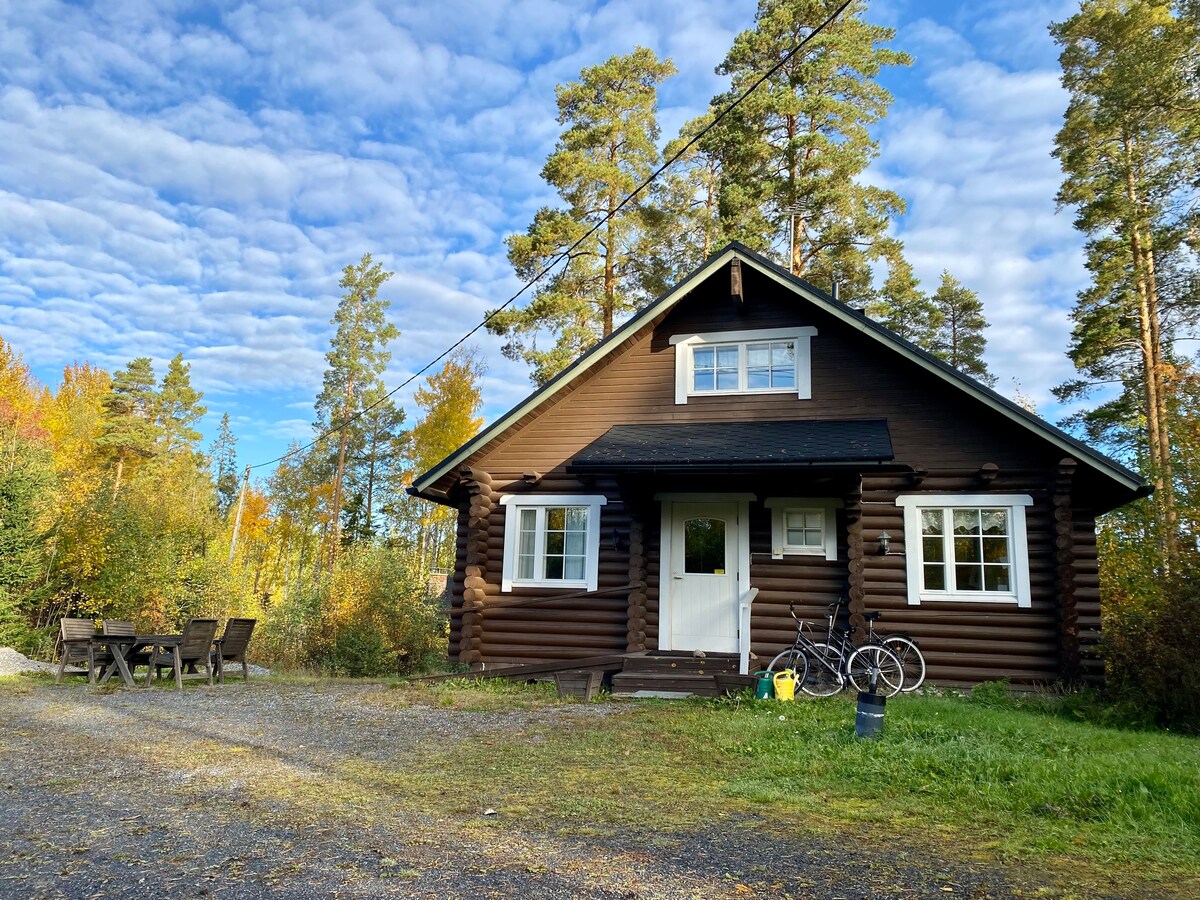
{"x":747,"y":442}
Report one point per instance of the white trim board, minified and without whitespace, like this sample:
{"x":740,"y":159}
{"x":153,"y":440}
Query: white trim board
{"x":593,"y":502}
{"x":1021,"y":595}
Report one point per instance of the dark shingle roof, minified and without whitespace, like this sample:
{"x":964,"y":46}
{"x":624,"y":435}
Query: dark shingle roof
{"x":742,"y":444}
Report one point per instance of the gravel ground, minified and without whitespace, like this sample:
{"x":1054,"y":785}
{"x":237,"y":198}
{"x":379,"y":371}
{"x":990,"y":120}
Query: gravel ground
{"x":143,"y":794}
{"x":15,"y":663}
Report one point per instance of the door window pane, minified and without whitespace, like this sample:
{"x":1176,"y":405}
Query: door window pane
{"x":704,"y":547}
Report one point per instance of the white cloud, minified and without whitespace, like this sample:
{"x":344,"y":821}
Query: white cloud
{"x":179,"y":180}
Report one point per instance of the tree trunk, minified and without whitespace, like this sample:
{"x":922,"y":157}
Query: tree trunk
{"x":1150,"y":345}
{"x":370,"y":531}
{"x":120,"y":469}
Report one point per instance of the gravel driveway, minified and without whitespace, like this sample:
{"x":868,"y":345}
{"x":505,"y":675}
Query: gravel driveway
{"x":144,"y":794}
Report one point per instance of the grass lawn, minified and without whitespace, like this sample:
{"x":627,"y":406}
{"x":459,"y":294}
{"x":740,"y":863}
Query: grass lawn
{"x":1017,"y":782}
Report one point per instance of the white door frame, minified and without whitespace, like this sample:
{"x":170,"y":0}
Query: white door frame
{"x":665,"y":624}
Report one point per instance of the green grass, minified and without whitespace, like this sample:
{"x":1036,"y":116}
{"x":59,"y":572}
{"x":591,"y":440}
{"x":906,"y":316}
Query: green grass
{"x":1017,"y":782}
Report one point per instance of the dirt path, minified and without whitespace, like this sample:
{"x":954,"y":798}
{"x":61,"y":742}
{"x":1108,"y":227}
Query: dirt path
{"x":243,"y":792}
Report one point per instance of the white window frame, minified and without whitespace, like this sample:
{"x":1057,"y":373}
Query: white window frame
{"x":512,"y":535}
{"x":781,"y":506}
{"x":1014,"y":504}
{"x":800,"y":337}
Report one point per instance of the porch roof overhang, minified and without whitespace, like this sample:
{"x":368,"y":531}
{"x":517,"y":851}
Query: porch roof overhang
{"x":735,"y":446}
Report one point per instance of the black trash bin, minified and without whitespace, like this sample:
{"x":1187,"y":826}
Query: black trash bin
{"x":869,"y":721}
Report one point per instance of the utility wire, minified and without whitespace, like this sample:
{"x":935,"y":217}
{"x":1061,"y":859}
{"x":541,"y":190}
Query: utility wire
{"x":566,"y":254}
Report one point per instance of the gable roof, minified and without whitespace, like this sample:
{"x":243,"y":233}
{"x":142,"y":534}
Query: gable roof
{"x":855,"y":319}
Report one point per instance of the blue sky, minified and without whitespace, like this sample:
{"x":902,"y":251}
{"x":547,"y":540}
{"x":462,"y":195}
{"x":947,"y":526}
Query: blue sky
{"x":175,"y":179}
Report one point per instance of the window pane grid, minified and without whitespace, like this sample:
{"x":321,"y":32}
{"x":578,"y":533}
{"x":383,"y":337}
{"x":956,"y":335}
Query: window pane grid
{"x":566,"y":529}
{"x":756,"y":366}
{"x":966,"y":550}
{"x":804,"y":527}
{"x":552,"y":543}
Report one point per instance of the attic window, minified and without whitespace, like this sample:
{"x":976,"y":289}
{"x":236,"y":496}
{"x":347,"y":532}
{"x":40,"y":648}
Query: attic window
{"x":766,"y":361}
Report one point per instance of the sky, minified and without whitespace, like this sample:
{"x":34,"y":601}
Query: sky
{"x":191,"y":177}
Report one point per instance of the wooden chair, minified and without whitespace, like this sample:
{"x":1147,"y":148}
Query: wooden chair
{"x":120,"y":628}
{"x":231,"y":647}
{"x":194,"y":649}
{"x":75,"y":647}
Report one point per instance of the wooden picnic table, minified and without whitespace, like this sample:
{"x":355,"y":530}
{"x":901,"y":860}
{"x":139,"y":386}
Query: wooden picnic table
{"x":123,"y":647}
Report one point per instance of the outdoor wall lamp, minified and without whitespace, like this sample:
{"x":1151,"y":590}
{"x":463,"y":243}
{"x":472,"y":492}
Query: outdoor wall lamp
{"x":619,"y":541}
{"x":885,"y":543}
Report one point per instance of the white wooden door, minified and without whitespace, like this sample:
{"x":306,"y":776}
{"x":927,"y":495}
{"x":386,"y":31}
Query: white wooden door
{"x":704,"y":558}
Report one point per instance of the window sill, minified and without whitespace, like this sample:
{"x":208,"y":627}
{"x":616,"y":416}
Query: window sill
{"x":577,"y":585}
{"x":990,"y":599}
{"x":746,"y":393}
{"x":803,"y":551}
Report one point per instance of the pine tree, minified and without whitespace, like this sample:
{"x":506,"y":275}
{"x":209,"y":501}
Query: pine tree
{"x":1127,"y":147}
{"x":356,"y":361}
{"x":607,"y":150}
{"x":129,"y":427}
{"x":959,"y":338}
{"x":793,"y":152}
{"x":378,"y":452}
{"x":178,"y":408}
{"x":905,"y":309}
{"x":683,"y":223}
{"x":224,"y":456}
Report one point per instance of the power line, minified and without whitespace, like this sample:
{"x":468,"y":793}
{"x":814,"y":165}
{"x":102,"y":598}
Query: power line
{"x":565,"y":254}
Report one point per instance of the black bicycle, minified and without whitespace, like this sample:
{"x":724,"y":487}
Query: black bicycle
{"x":825,"y":667}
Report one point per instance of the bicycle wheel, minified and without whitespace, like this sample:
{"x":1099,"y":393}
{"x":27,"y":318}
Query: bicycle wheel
{"x":793,"y":659}
{"x":824,"y":671}
{"x":910,"y":657}
{"x":875,"y":669}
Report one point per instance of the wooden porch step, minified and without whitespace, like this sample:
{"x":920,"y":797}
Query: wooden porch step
{"x":627,"y":683}
{"x":678,"y":664}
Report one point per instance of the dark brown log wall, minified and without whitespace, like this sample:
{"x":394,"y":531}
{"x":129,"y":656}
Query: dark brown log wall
{"x":1087,"y":598}
{"x":968,"y":642}
{"x":558,"y":629}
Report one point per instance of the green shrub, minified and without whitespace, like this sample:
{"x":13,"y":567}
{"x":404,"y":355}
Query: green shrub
{"x":1149,"y":649}
{"x":372,"y":615}
{"x":359,"y":650}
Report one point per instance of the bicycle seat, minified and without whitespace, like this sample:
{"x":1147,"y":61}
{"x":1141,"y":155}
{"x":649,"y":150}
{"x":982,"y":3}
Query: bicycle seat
{"x":872,"y":616}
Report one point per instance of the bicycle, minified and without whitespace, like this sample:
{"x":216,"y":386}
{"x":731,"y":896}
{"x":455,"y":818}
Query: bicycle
{"x":906,"y":650}
{"x":829,"y":665}
{"x":904,"y":647}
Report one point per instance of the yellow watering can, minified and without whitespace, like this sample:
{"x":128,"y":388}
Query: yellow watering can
{"x":785,"y":685}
